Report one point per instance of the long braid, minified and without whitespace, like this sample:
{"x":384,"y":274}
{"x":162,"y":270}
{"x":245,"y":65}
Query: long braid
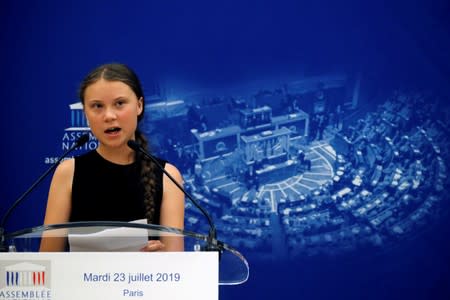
{"x":148,"y":179}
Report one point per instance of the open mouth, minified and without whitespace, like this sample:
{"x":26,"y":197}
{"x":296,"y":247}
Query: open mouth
{"x":112,"y":130}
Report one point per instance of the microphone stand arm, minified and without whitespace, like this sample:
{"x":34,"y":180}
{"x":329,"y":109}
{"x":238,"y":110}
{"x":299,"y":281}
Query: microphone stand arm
{"x":212,"y":243}
{"x":82,"y":140}
{"x":3,"y":247}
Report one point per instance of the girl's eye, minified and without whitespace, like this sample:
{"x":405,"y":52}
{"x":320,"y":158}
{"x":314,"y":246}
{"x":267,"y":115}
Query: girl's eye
{"x":120,"y":103}
{"x":96,"y":105}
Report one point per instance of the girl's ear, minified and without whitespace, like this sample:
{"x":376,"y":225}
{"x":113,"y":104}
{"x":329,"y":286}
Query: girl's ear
{"x":140,"y":105}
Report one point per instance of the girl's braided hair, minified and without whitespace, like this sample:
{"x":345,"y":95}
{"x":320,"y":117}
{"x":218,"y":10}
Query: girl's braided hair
{"x":122,"y":73}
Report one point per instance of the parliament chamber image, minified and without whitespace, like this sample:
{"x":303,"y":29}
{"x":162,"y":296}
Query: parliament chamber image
{"x":314,"y":134}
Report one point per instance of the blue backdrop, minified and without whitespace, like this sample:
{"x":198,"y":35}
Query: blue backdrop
{"x":316,"y":133}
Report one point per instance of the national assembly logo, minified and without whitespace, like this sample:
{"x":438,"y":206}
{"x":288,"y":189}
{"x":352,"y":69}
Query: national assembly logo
{"x":78,"y":126}
{"x":25,"y":280}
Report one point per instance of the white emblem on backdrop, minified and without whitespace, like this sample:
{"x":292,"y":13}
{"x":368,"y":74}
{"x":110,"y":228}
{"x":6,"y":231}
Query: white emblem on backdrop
{"x":78,"y":126}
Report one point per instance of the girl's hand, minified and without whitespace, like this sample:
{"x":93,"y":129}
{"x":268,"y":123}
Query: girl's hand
{"x":153,"y":245}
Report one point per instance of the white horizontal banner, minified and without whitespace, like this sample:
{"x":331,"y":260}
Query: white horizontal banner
{"x":109,"y":275}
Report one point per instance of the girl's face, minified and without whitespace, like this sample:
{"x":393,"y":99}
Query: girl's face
{"x":112,"y":108}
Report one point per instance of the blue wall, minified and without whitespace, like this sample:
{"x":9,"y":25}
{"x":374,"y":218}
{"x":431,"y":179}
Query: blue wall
{"x":226,"y":60}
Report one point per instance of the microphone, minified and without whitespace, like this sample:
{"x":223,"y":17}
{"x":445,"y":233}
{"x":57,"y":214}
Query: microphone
{"x":78,"y":143}
{"x":212,"y":243}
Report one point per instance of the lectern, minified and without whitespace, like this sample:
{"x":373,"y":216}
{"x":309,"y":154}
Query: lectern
{"x":101,"y":260}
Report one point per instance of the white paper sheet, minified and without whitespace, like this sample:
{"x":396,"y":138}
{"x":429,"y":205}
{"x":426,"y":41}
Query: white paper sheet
{"x":116,"y":239}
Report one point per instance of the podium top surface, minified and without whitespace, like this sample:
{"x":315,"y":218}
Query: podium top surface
{"x":112,"y":236}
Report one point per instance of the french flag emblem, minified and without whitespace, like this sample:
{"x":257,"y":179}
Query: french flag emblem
{"x":25,"y":274}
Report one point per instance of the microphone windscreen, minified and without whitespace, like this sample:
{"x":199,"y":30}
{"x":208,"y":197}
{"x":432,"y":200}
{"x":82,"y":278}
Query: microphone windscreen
{"x":82,"y":140}
{"x":133,"y":145}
